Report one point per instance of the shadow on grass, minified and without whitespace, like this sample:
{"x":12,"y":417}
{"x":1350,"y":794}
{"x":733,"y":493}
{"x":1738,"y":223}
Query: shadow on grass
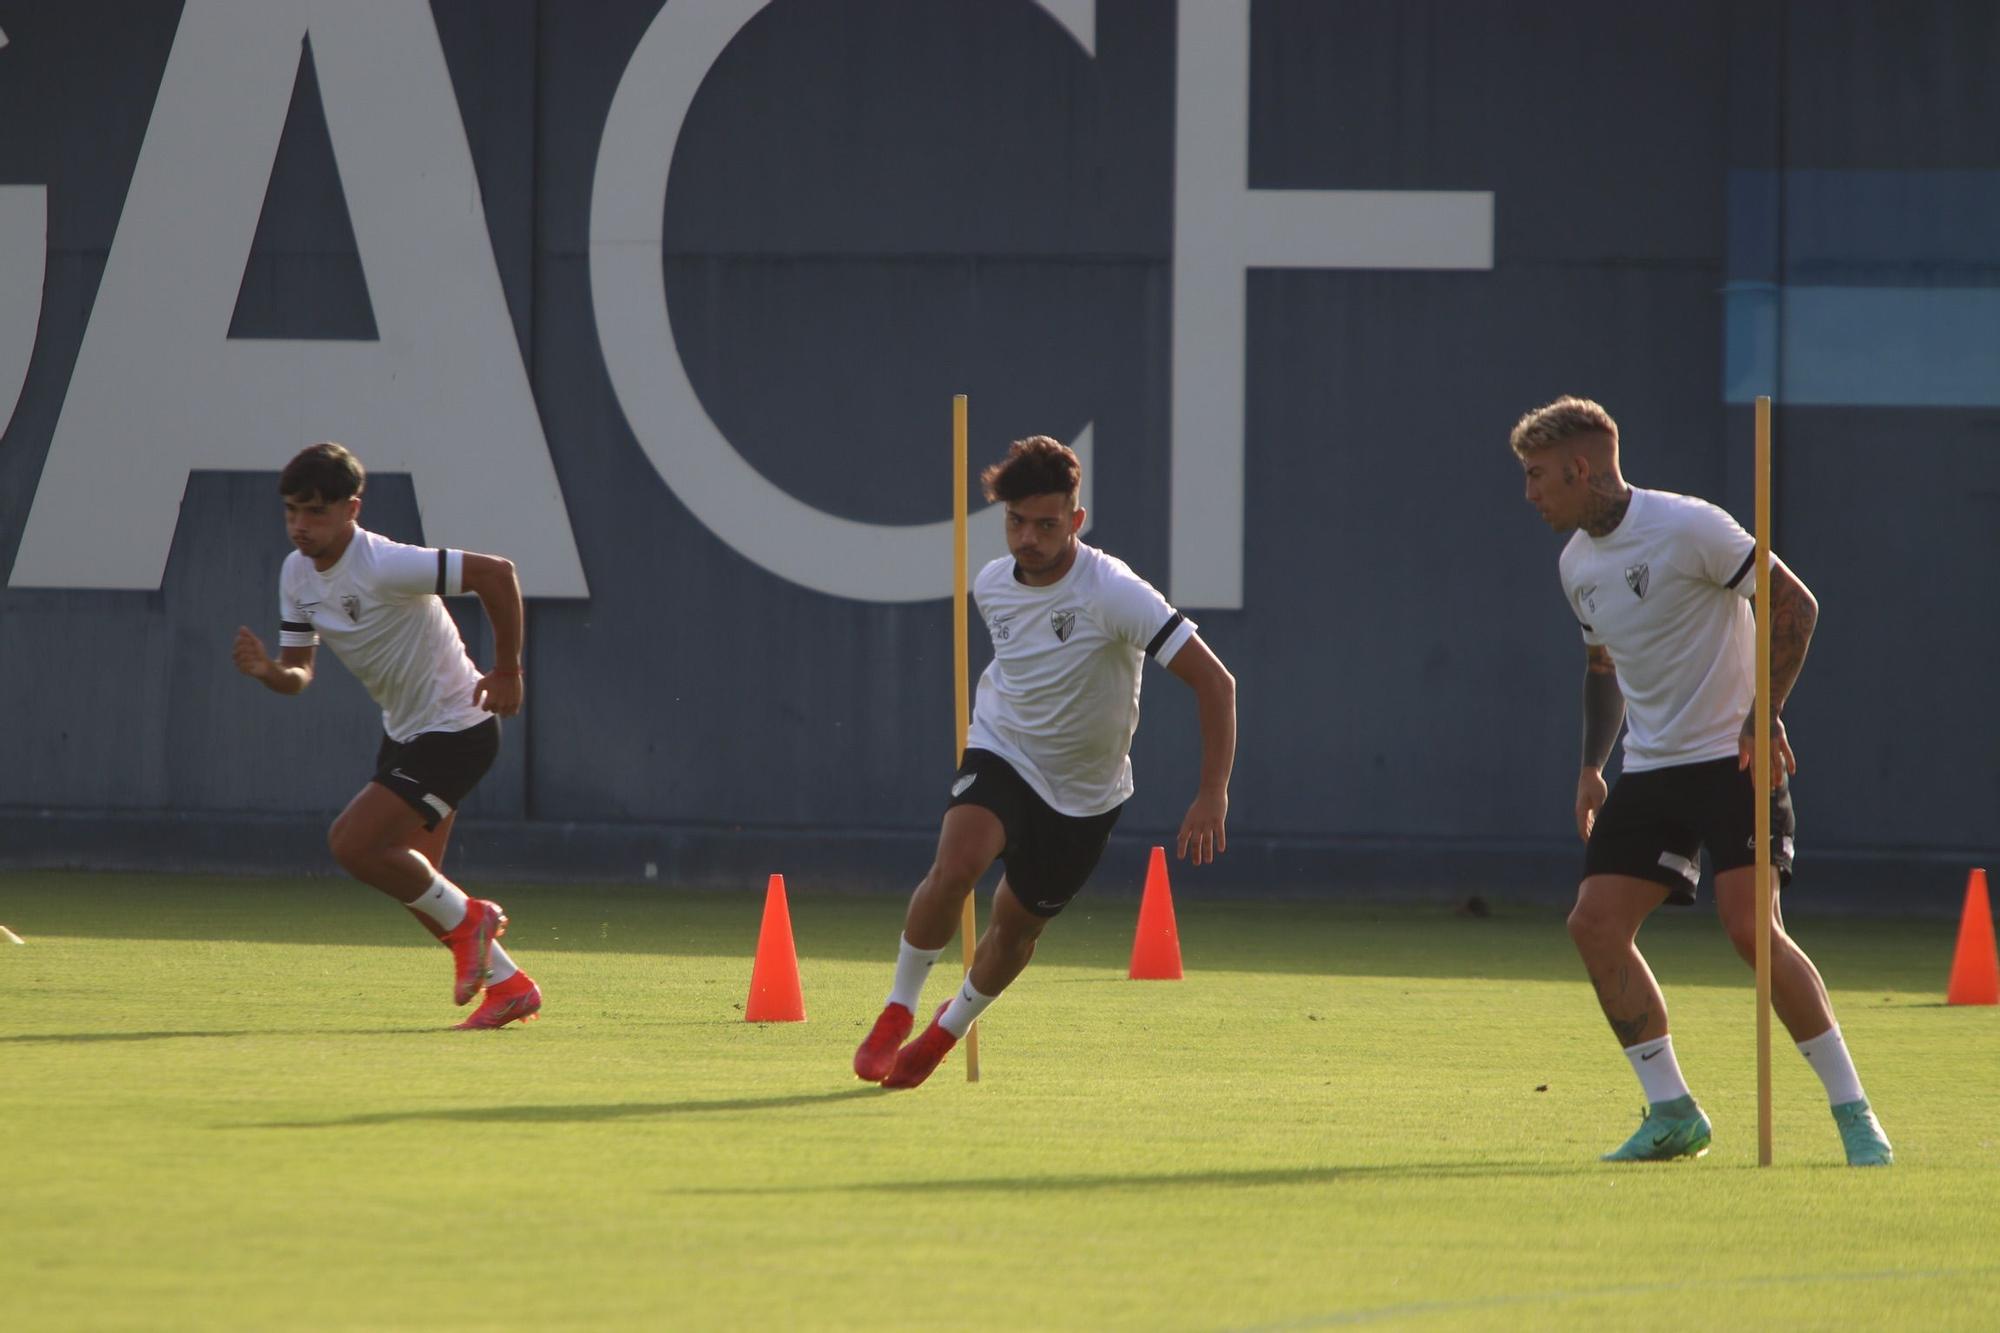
{"x":1518,"y":942}
{"x":1249,"y":1178}
{"x":588,"y":1113}
{"x":86,"y":1038}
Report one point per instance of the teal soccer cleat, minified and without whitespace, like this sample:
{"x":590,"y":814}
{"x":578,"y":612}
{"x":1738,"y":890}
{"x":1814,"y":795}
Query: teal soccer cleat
{"x":1671,"y":1129}
{"x":1861,"y":1134}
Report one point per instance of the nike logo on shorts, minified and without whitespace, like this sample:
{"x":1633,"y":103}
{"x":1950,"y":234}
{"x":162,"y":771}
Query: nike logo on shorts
{"x":959,"y":787}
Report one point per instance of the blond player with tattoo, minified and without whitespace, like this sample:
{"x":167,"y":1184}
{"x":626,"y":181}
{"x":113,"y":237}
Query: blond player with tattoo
{"x":1661,"y":585}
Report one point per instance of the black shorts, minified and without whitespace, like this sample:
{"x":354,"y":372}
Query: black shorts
{"x":1048,"y":854}
{"x":1656,"y":823}
{"x":436,"y":770}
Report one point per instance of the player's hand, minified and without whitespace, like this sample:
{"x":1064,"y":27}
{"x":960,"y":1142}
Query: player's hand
{"x":1783,"y":762}
{"x":1202,"y":835}
{"x":249,"y":655}
{"x":1590,"y":794}
{"x":499,"y":694}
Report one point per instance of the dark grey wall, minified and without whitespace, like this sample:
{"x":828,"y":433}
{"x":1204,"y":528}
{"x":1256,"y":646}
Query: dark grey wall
{"x":876,"y":205}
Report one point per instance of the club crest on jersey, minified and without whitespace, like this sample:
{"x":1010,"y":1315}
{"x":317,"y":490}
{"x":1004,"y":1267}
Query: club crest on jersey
{"x":1638,"y":577}
{"x":1064,"y":623}
{"x":352,"y":605}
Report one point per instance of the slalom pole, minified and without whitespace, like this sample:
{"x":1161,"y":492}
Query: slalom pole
{"x":1761,"y":779}
{"x":961,"y":658}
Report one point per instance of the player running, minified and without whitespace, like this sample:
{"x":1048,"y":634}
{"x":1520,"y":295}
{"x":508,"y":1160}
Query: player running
{"x":1047,"y":765}
{"x":1661,"y":585}
{"x":376,"y":603}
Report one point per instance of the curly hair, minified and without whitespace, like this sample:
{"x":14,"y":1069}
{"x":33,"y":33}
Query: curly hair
{"x":1037,"y":465}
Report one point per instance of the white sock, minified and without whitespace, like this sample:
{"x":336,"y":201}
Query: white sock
{"x":503,"y":966}
{"x":443,"y":902}
{"x":1827,"y":1054}
{"x":964,"y":1009}
{"x":913,"y":968}
{"x":1659,"y":1073}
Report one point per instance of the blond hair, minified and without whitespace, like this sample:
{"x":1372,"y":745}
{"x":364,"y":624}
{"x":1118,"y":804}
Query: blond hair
{"x":1565,"y":418}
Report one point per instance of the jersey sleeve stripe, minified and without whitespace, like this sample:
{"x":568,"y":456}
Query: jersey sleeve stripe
{"x":1742,"y":569}
{"x":1169,"y":637}
{"x":295,"y":626}
{"x":441,"y":571}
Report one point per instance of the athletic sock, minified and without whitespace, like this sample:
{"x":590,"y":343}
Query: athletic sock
{"x":503,"y":966}
{"x":443,"y":902}
{"x":1659,"y":1073}
{"x":964,"y":1009}
{"x":913,"y":968}
{"x":1827,"y":1054}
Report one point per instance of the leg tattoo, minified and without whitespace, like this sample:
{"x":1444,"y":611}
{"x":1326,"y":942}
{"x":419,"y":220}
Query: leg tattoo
{"x":1611,"y":1000}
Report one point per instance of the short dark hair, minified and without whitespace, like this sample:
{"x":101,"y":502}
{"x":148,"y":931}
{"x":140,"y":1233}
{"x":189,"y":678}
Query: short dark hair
{"x":327,"y":471}
{"x":1037,"y":465}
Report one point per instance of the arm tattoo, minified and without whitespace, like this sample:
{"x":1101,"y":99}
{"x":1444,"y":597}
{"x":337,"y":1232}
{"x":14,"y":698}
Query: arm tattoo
{"x":1603,"y":707}
{"x":1793,"y":616}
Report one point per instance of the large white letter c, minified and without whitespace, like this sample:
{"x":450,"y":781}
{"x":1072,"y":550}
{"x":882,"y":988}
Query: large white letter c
{"x":794,"y":540}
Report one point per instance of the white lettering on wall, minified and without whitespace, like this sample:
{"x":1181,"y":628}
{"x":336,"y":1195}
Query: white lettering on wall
{"x":766,"y":524}
{"x":1222,"y":229}
{"x":160,"y":389}
{"x":24,"y":246}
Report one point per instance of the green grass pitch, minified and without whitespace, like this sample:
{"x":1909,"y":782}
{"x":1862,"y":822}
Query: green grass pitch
{"x":232,"y":1104}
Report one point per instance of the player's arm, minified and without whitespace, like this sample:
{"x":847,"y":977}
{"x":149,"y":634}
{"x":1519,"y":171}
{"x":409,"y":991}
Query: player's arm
{"x":289,"y":674}
{"x":1794,"y":614}
{"x":1202,"y":832}
{"x":492,"y":580}
{"x":1603,"y":715}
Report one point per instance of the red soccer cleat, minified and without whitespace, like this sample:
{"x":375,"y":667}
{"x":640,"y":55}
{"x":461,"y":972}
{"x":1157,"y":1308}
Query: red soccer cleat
{"x":877,"y":1053}
{"x":917,"y":1061}
{"x":516,"y":1000}
{"x":471,"y":942}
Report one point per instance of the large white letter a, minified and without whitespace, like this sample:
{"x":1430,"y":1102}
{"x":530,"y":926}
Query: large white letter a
{"x":160,"y":389}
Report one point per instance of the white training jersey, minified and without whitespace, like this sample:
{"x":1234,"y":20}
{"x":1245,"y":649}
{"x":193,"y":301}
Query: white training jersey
{"x":1060,"y":700}
{"x":378,"y":608}
{"x":1667,"y":592}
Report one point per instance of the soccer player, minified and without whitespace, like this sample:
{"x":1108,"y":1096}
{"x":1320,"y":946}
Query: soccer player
{"x":376,"y":603}
{"x":1047,"y":766}
{"x":1661,"y":585}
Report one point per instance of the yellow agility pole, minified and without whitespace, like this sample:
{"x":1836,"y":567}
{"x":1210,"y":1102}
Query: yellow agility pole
{"x":961,"y":665}
{"x":1761,"y":776}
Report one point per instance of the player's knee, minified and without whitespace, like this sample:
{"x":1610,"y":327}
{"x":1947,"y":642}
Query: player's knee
{"x":1016,"y":939}
{"x":349,"y":848}
{"x":954,"y":875}
{"x":1592,"y":930}
{"x":1741,"y":928}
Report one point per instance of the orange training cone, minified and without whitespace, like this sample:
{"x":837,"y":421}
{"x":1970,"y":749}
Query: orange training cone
{"x":774,"y":977}
{"x":1156,"y":948}
{"x":1975,"y":974}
